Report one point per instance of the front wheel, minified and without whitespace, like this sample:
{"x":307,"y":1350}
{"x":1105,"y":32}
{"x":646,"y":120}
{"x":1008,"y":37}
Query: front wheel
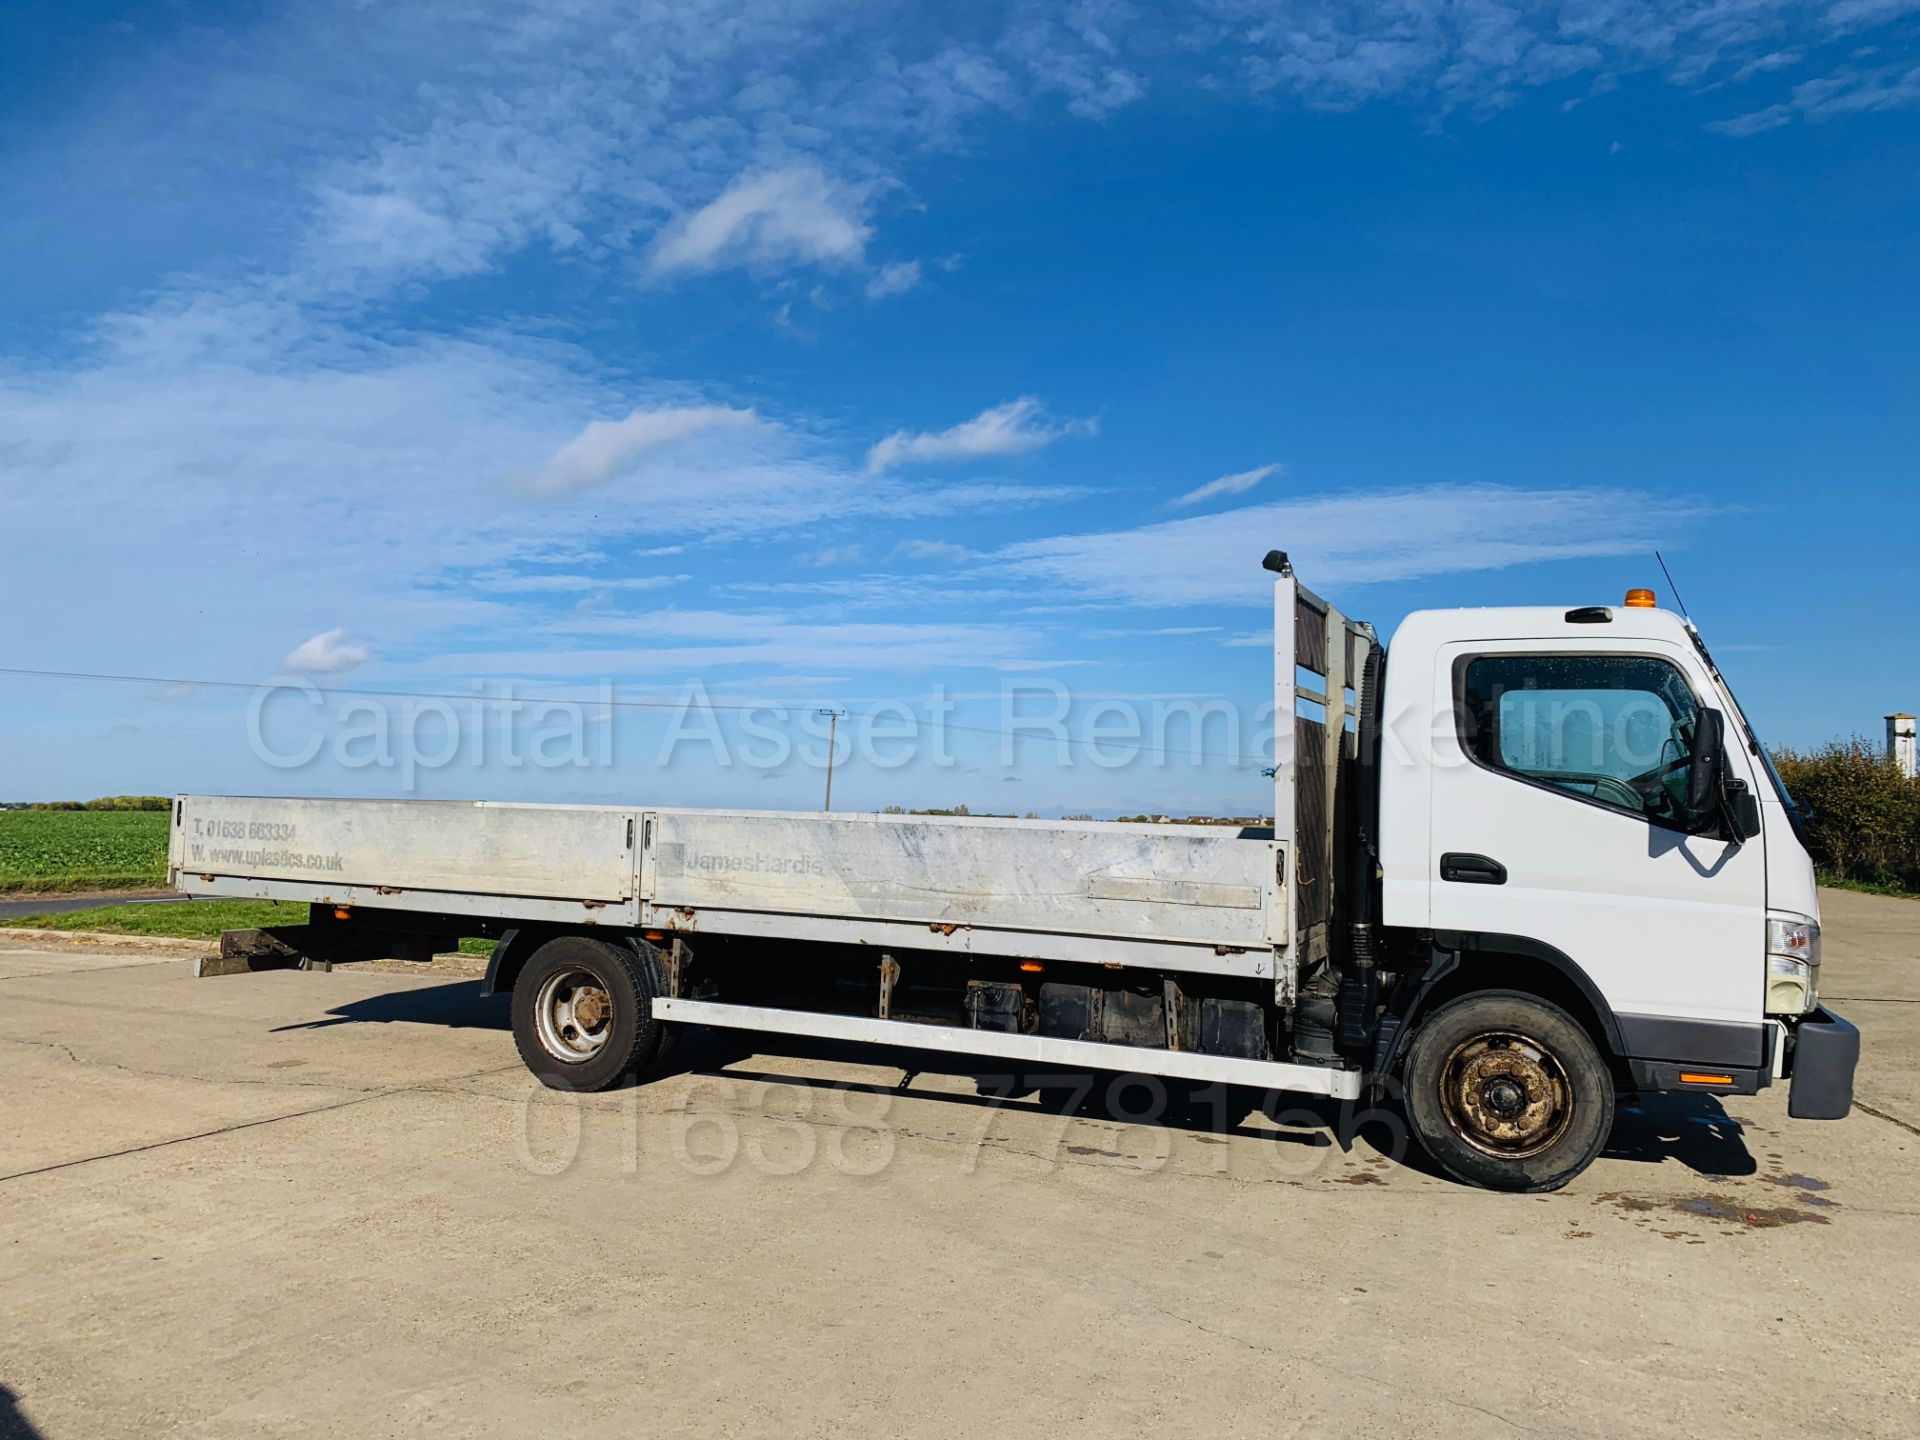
{"x":1508,"y":1091}
{"x":583,"y":1012}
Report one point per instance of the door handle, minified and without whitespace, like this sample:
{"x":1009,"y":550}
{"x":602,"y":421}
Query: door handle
{"x":1472,"y":869}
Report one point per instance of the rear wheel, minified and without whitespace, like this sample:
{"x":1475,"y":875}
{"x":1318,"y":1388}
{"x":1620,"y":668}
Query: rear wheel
{"x":583,"y":1013}
{"x":1508,"y":1091}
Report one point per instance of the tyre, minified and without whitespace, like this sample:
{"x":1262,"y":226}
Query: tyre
{"x":583,"y":1012}
{"x":1508,"y":1091}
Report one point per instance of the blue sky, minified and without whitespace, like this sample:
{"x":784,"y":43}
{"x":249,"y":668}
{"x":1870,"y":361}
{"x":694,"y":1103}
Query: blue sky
{"x":832,"y":355}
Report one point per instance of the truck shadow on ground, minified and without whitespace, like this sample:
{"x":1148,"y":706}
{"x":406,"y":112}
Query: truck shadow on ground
{"x":458,"y":1005}
{"x":1692,"y":1130}
{"x":13,"y":1424}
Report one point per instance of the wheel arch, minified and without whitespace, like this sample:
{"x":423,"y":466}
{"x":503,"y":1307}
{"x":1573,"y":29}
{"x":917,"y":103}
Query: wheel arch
{"x":510,"y":955}
{"x":520,"y":944}
{"x":1468,"y":961}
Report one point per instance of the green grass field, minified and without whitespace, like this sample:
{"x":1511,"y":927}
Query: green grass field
{"x":50,"y":851}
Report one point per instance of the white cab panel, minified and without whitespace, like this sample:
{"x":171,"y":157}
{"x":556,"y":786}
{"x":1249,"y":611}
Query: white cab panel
{"x":1662,"y":922}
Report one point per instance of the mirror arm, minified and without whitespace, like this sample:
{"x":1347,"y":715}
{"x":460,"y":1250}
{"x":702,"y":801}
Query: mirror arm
{"x":1739,"y":811}
{"x":1726,"y":820}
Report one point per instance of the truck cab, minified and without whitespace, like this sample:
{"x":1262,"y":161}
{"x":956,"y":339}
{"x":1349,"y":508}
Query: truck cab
{"x":1572,"y":807}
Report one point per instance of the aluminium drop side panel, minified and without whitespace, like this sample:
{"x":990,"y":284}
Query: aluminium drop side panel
{"x":524,"y":909}
{"x":573,"y":853}
{"x":1160,"y":883}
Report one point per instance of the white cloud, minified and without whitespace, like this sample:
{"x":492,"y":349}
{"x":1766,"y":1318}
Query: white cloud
{"x":944,"y":551}
{"x":655,"y":551}
{"x":606,"y":449}
{"x":328,"y":653}
{"x":833,"y":555}
{"x":680,"y":643}
{"x":486,"y":131}
{"x":1754,"y":122}
{"x":544,"y":554}
{"x":1349,"y":540}
{"x":381,"y":458}
{"x":895,"y":279}
{"x":1237,"y":483}
{"x":774,"y":218}
{"x":1846,"y":91}
{"x":508,"y":582}
{"x":909,"y":592}
{"x":1161,"y":632}
{"x":1009,"y":429}
{"x":1078,"y":58}
{"x":1854,"y":14}
{"x":1761,"y":64}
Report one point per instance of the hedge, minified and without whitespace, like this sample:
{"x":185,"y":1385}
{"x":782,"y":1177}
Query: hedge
{"x":1863,"y":814}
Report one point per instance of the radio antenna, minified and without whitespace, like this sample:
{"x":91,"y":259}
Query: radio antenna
{"x":1671,"y":586}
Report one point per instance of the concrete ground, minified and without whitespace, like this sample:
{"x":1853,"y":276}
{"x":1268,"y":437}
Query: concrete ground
{"x":292,"y":1204}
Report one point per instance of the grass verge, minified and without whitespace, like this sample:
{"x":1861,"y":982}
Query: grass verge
{"x":184,"y":920}
{"x":190,"y":920}
{"x":1834,"y":882}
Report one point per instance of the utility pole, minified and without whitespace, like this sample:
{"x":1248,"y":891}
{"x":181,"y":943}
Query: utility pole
{"x":833,"y":731}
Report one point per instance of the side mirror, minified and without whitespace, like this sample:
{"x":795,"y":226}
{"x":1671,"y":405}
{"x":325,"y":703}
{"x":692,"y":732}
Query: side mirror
{"x":1707,"y":771}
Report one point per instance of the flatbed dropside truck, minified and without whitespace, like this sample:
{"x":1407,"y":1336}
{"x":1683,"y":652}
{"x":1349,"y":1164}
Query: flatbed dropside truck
{"x":1523,"y":862}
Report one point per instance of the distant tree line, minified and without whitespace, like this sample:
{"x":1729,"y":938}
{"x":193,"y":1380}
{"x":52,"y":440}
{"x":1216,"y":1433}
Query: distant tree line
{"x":959,"y":810}
{"x":105,"y":802}
{"x":1083,"y":815}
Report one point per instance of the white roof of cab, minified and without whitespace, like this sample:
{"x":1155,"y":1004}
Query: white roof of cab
{"x":1538,"y":622}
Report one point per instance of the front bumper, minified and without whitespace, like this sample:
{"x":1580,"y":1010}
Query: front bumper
{"x":1821,"y":1056}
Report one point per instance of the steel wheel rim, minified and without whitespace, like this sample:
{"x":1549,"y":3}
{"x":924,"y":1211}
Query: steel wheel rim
{"x":1506,"y":1094}
{"x":573,"y":1014}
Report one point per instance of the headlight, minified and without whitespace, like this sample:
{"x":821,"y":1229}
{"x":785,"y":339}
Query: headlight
{"x":1793,"y":966}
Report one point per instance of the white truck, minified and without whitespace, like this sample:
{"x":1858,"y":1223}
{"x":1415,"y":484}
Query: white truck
{"x":1523,"y":861}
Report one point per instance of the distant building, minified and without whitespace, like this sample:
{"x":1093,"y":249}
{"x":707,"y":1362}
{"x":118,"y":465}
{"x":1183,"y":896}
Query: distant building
{"x":1900,"y":744}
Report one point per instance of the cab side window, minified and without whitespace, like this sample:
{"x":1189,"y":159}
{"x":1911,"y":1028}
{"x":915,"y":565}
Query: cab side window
{"x":1616,"y":730}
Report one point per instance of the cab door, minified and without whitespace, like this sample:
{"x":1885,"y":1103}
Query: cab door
{"x":1556,"y":816}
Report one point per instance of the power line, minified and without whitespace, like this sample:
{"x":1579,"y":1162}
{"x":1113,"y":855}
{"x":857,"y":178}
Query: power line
{"x":481,"y":697}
